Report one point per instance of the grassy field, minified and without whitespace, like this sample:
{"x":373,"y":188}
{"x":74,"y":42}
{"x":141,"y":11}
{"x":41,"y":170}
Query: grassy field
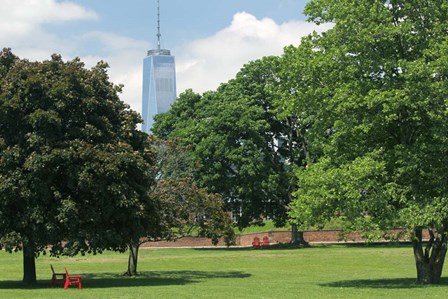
{"x":320,"y":272}
{"x":268,"y":225}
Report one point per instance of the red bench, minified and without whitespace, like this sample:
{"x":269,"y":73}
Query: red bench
{"x":72,"y":280}
{"x":265,"y":241}
{"x":256,"y":243}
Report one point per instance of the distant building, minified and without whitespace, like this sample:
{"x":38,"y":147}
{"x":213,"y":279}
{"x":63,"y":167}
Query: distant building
{"x":159,"y":82}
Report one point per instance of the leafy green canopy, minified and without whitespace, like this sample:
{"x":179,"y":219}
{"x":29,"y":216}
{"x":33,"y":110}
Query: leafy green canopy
{"x":378,"y":110}
{"x":379,"y":114}
{"x":73,"y":167}
{"x":381,"y":117}
{"x":184,"y":208}
{"x":234,"y":133}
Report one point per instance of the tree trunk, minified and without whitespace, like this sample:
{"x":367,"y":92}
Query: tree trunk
{"x":29,"y":265}
{"x":429,"y":261}
{"x":297,"y":237}
{"x":132,"y":261}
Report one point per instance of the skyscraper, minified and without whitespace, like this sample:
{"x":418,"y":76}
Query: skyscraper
{"x":159,"y":81}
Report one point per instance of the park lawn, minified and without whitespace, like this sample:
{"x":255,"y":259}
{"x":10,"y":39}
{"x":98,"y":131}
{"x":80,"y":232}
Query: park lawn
{"x":319,"y":272}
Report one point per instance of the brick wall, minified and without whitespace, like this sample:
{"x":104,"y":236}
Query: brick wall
{"x":275,"y":237}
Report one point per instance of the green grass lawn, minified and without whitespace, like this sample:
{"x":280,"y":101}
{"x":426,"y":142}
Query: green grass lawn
{"x":268,"y":225}
{"x":319,"y":272}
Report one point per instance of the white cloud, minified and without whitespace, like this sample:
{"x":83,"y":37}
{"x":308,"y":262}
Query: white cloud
{"x":22,"y":26}
{"x":18,"y":18}
{"x":112,"y":43}
{"x":201,"y":64}
{"x":206,"y":63}
{"x":39,"y":11}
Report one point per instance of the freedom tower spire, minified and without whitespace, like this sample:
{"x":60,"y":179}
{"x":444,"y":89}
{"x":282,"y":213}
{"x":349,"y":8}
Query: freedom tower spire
{"x":158,"y":25}
{"x":159,"y":81}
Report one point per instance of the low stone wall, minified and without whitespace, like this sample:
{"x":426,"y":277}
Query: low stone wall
{"x":322,"y":236}
{"x":275,"y":237}
{"x":183,"y":242}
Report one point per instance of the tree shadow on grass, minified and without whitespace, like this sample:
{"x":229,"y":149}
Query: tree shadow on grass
{"x":278,"y":246}
{"x":223,"y":248}
{"x":151,"y":278}
{"x":391,"y":283}
{"x":287,"y":246}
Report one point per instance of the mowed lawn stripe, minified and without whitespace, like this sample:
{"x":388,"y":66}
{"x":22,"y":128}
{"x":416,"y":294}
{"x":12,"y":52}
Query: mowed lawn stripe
{"x":319,"y":272}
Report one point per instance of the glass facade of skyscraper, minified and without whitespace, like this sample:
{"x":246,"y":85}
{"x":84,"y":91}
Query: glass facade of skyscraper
{"x":159,"y":85}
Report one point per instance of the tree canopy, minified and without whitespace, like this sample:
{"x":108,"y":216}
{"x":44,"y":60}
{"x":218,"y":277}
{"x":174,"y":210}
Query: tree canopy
{"x":378,"y":111}
{"x":73,"y":166}
{"x":235,"y":137}
{"x":183,"y":208}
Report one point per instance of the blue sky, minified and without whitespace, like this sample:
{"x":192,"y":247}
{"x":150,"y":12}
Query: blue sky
{"x":181,"y":20}
{"x":211,"y":39}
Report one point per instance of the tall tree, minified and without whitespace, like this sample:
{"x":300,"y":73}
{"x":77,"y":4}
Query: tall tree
{"x":381,"y":123}
{"x":73,"y":166}
{"x":183,"y":208}
{"x":234,"y":137}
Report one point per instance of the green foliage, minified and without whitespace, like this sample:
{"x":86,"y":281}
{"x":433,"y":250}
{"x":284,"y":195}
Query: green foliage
{"x":237,"y":141}
{"x":385,"y":115}
{"x":183,"y":206}
{"x":73,"y":166}
{"x":378,"y":113}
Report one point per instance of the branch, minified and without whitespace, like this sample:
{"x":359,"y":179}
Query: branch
{"x":429,"y":246}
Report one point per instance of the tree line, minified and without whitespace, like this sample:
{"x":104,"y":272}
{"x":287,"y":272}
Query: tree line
{"x":350,"y":124}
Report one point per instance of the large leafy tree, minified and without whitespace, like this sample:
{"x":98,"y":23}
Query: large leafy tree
{"x":183,"y":208}
{"x":234,"y":135}
{"x":73,"y":167}
{"x":380,"y":118}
